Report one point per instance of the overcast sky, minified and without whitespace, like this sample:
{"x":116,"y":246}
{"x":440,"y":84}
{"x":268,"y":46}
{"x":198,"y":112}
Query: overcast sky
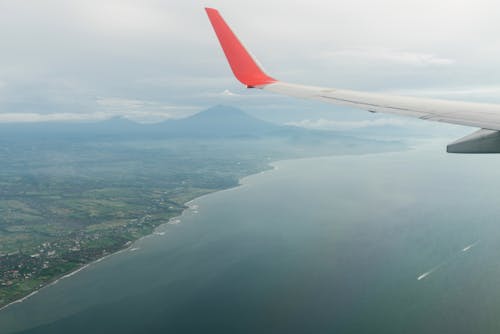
{"x":150,"y":59}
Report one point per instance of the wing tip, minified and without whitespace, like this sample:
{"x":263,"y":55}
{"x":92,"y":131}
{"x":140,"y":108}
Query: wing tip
{"x":211,"y":10}
{"x":244,"y":67}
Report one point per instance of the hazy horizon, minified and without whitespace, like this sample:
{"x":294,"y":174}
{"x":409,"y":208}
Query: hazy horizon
{"x":153,"y":60}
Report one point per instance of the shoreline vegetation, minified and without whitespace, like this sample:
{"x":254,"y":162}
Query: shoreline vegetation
{"x":130,"y":244}
{"x":127,"y":246}
{"x":168,"y":217}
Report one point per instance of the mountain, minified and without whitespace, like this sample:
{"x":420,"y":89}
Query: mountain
{"x":216,"y":122}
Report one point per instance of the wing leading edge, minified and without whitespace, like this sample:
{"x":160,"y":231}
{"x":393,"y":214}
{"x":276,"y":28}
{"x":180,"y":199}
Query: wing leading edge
{"x":480,"y":115}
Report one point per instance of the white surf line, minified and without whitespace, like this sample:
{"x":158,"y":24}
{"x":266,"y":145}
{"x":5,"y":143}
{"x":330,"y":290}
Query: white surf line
{"x":20,"y":300}
{"x":174,"y":221}
{"x":467,"y":248}
{"x":132,"y":247}
{"x":68,"y":275}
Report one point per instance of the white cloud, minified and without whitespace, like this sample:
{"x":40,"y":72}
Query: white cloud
{"x":187,"y":82}
{"x":326,"y":124}
{"x":166,"y":51}
{"x":126,"y":104}
{"x":140,"y":117}
{"x":143,"y":110}
{"x":228,"y":93}
{"x":123,"y":17}
{"x":387,"y":56}
{"x":55,"y":117}
{"x":483,"y":92}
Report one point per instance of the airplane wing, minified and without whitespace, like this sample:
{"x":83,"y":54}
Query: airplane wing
{"x":479,"y":115}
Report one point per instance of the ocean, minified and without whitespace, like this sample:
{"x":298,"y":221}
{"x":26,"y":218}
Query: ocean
{"x":405,"y":242}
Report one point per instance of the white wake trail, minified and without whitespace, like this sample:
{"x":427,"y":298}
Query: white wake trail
{"x":428,"y":273}
{"x":465,"y":249}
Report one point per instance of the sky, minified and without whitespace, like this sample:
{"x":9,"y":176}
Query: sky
{"x":151,"y":60}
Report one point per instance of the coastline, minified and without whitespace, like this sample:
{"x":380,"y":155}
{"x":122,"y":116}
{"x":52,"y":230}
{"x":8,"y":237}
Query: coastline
{"x":268,"y":167}
{"x":130,"y":246}
{"x":70,"y":273}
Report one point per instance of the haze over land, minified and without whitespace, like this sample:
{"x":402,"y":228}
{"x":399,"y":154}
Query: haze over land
{"x":74,"y":192}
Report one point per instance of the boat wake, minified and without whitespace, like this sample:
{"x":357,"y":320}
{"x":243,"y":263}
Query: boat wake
{"x":428,"y":273}
{"x":467,"y":248}
{"x":456,"y":257}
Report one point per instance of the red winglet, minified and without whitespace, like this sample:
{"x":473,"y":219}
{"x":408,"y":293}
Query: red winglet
{"x":242,"y":64}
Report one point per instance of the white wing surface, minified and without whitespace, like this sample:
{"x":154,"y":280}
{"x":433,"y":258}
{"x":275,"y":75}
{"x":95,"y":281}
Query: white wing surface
{"x":479,"y":115}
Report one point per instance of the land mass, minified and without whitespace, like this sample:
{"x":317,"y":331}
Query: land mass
{"x":71,"y":193}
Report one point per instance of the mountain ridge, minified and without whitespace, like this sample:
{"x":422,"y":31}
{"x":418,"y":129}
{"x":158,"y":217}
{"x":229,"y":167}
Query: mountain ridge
{"x":215,"y":122}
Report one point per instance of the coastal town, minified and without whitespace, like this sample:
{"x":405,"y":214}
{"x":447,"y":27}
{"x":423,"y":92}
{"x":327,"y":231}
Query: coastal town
{"x":26,"y":269}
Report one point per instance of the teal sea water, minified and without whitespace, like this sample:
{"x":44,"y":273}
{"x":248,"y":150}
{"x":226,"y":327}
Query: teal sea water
{"x":405,"y":242}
